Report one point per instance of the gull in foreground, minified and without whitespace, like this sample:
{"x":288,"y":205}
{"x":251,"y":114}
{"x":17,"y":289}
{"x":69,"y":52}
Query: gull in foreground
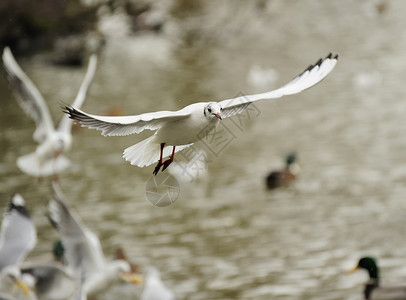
{"x":180,"y":129}
{"x":50,"y":281}
{"x":17,"y":238}
{"x":47,"y":158}
{"x":84,"y":253}
{"x":18,"y":235}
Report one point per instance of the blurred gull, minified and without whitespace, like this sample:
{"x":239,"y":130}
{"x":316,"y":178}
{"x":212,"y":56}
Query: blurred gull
{"x":367,"y":79}
{"x":18,"y":235}
{"x":84,"y":253}
{"x":17,"y":238}
{"x":47,"y":158}
{"x":261,"y":78}
{"x":154,"y":288}
{"x":13,"y":285}
{"x":180,"y":129}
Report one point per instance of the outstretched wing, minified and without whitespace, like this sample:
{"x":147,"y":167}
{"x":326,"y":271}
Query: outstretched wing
{"x":125,"y":125}
{"x":28,"y":96}
{"x":83,"y":249}
{"x":308,"y":78}
{"x":66,"y":124}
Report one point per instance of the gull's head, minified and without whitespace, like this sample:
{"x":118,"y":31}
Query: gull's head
{"x":12,"y":275}
{"x":120,"y":266}
{"x":17,"y":204}
{"x":124,"y":272}
{"x":213,"y":110}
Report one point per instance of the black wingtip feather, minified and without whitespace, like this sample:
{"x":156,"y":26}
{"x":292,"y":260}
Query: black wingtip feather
{"x":69,"y":111}
{"x":63,"y":106}
{"x":318,"y":63}
{"x":308,"y":68}
{"x":330,"y":56}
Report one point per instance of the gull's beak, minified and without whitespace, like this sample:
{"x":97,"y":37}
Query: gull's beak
{"x":132,"y":278}
{"x":218,"y":116}
{"x":23,"y":286}
{"x":353,"y":269}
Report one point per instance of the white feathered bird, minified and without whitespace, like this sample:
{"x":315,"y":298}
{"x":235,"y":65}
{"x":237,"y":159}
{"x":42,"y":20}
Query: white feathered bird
{"x":47,"y":158}
{"x":180,"y":129}
{"x":18,"y":237}
{"x":84,"y":253}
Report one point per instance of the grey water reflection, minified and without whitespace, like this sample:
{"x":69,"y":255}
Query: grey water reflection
{"x":226,"y":237}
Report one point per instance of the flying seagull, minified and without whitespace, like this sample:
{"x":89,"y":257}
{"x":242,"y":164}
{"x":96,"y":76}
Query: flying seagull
{"x":84,"y":253}
{"x":47,"y":158}
{"x":180,"y":129}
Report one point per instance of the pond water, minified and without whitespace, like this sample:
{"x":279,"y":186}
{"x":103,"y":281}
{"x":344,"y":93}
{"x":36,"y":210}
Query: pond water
{"x":226,"y":236}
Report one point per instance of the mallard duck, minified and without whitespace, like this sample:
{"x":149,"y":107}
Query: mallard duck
{"x":58,"y":251}
{"x":286,"y":175}
{"x":373,"y":290}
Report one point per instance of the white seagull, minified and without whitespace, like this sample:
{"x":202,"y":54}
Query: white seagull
{"x":84,"y":253}
{"x":47,"y":158}
{"x":18,"y":237}
{"x":180,"y":129}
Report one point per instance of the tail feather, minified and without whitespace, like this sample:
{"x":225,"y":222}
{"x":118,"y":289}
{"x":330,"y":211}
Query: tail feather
{"x":31,"y":165}
{"x":147,"y":152}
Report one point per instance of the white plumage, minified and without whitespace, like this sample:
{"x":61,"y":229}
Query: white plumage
{"x":190,"y":124}
{"x":84,"y":253}
{"x":47,"y":159}
{"x":18,"y":237}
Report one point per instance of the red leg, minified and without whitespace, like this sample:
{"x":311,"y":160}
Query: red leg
{"x":169,"y":160}
{"x":159,"y":164}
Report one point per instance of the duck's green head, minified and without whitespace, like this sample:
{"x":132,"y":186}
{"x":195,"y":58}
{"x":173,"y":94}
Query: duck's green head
{"x":290,"y":158}
{"x":368,"y":263}
{"x":58,"y":250}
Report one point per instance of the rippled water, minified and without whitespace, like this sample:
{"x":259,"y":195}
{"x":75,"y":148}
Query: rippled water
{"x":226,"y":237}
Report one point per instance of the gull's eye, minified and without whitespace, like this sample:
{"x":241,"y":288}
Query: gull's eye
{"x":209,"y":109}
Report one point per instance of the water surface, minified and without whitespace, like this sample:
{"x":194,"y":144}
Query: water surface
{"x":226,"y":237}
